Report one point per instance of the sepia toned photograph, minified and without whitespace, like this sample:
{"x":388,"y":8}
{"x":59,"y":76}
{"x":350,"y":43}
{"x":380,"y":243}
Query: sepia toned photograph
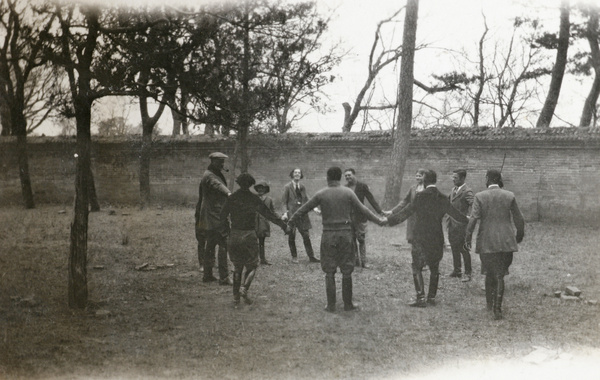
{"x":300,"y":189}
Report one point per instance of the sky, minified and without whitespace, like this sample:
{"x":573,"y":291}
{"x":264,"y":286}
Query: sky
{"x":444,"y":26}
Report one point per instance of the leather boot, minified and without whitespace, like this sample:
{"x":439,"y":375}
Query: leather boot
{"x":237,"y":282}
{"x":293,"y":251}
{"x":208,"y":272}
{"x":261,"y":254}
{"x":330,"y":291}
{"x":498,"y":298}
{"x":420,"y":288}
{"x":246,"y":282}
{"x":490,"y":292}
{"x":434,"y":278}
{"x":347,"y":293}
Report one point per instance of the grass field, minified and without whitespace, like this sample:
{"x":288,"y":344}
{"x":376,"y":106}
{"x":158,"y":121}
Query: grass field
{"x":163,"y":322}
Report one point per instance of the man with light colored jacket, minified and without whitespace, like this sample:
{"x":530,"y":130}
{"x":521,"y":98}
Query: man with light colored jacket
{"x":498,"y":213}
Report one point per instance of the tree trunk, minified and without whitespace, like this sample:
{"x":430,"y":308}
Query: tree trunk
{"x":244,"y":122}
{"x":93,"y":198}
{"x":592,"y":36}
{"x":145,"y":169}
{"x":405,"y":96}
{"x":148,"y":124}
{"x":78,"y":290}
{"x":5,"y":119}
{"x":176,"y":120}
{"x":19,"y":126}
{"x":558,"y":71}
{"x":354,"y":111}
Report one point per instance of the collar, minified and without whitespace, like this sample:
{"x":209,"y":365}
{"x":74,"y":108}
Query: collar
{"x":494,"y":185}
{"x":333,"y":183}
{"x":459,"y":187}
{"x":428,"y":186}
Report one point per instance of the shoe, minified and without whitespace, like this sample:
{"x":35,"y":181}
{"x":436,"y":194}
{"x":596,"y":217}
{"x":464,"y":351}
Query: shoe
{"x":265,"y":262}
{"x":497,"y":315}
{"x":330,"y":309}
{"x":351,"y":307}
{"x":314,"y":260}
{"x":244,"y":294}
{"x":455,"y":274}
{"x":431,"y":301}
{"x":467,"y":278}
{"x":294,"y":260}
{"x":225,"y":281}
{"x":366,"y":266}
{"x":209,"y":279}
{"x":418,"y":303}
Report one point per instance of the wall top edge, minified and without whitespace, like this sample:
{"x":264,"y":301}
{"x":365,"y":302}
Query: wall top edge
{"x":442,"y":134}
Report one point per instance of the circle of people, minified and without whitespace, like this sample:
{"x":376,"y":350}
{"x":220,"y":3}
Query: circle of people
{"x":238,"y":223}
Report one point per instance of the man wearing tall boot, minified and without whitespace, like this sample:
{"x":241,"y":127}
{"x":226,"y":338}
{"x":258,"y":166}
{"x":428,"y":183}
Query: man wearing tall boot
{"x":462,"y":199}
{"x":214,"y":194}
{"x":497,"y":211}
{"x":240,"y":212}
{"x":429,"y":206}
{"x":338,"y":204}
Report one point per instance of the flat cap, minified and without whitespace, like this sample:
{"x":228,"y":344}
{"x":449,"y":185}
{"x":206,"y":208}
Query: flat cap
{"x":217,"y":155}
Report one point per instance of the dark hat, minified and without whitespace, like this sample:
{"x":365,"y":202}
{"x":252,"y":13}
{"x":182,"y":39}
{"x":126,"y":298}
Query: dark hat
{"x":494,"y":176}
{"x":217,"y":155}
{"x":245,"y":180}
{"x":263,"y":184}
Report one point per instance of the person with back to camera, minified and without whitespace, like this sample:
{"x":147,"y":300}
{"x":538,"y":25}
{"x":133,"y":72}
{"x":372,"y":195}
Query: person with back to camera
{"x":429,"y":207}
{"x":337,"y":203}
{"x":241,"y":208}
{"x":497,"y":211}
{"x":263,"y":228}
{"x":294,"y":196}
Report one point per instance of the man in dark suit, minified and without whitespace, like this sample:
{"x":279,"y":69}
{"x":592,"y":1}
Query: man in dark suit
{"x":213,"y":188}
{"x":359,"y":222}
{"x":294,"y":196}
{"x":462,"y":199}
{"x":429,"y":206}
{"x":497,"y":211}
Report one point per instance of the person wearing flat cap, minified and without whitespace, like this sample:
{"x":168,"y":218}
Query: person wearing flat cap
{"x":214,"y":193}
{"x":263,"y":228}
{"x":239,"y":211}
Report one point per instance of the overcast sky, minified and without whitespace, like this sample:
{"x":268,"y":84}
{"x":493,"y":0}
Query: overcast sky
{"x":445,"y":26}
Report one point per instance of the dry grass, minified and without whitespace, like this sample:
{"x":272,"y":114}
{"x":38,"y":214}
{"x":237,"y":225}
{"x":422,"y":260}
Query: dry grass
{"x":166,"y":323}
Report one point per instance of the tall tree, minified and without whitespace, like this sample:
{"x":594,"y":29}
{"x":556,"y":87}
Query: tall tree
{"x":591,"y":33}
{"x":559,"y":67}
{"x":401,"y":143}
{"x":82,"y":47}
{"x":21,"y":59}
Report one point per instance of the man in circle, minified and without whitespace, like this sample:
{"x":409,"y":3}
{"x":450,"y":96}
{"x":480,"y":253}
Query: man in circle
{"x":337,"y":203}
{"x":294,"y":196}
{"x":497,"y":212}
{"x":359,"y":222}
{"x":213,"y":187}
{"x":461,"y":197}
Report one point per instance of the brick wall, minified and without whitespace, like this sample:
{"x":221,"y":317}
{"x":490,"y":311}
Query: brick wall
{"x":555,"y":173}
